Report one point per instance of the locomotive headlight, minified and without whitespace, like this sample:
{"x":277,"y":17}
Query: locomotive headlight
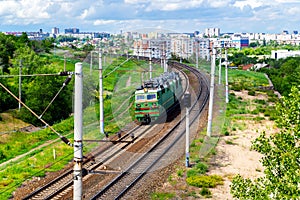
{"x":138,"y":105}
{"x":146,"y":104}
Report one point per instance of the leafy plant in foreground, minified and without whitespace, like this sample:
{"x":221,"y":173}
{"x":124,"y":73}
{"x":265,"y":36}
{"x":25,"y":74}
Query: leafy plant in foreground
{"x":281,"y":157}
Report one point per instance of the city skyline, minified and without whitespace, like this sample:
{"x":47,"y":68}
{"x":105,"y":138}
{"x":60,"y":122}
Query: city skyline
{"x":257,"y":16}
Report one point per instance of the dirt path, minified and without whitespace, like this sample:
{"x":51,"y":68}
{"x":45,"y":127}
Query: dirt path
{"x":233,"y":154}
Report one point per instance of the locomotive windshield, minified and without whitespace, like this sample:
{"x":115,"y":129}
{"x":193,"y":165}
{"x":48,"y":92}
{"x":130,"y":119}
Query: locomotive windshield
{"x":140,"y":97}
{"x":151,"y":96}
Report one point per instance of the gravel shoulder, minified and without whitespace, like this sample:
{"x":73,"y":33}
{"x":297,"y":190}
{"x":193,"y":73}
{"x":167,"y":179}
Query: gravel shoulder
{"x":233,"y":156}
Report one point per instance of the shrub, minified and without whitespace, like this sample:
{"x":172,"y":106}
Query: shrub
{"x":205,"y":181}
{"x":180,"y":173}
{"x":192,"y":172}
{"x":193,"y":144}
{"x":255,"y":111}
{"x":258,"y":118}
{"x":2,"y":156}
{"x":192,"y":194}
{"x":205,"y":192}
{"x":226,"y":133}
{"x":251,"y":92}
{"x":272,"y":99}
{"x":201,"y":168}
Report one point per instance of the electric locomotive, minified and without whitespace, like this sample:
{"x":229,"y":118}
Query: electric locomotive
{"x":156,"y":96}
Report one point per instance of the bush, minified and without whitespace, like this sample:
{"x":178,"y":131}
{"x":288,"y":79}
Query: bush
{"x":205,"y":181}
{"x":201,"y":168}
{"x":226,"y":133}
{"x":180,"y":173}
{"x":260,"y":101}
{"x":205,"y":192}
{"x":191,"y":173}
{"x":236,"y":87}
{"x":251,"y":92}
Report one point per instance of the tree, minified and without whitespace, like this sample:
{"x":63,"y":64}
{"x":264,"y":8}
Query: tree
{"x":7,"y":48}
{"x":281,"y":153}
{"x":6,"y":100}
{"x":40,"y":91}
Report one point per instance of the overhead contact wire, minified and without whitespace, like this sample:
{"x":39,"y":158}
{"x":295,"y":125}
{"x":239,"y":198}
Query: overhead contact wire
{"x":64,"y":84}
{"x":117,"y":67}
{"x":63,"y":138}
{"x":27,"y":75}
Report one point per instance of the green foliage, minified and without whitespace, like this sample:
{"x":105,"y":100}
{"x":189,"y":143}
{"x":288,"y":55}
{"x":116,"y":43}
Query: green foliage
{"x":6,"y":100}
{"x":260,"y":101}
{"x":162,"y":196}
{"x":180,"y":173}
{"x":47,"y":87}
{"x":199,"y":168}
{"x":245,"y":80}
{"x":281,"y":157}
{"x":192,"y":194}
{"x":251,"y":92}
{"x":205,"y":192}
{"x":285,"y":74}
{"x":205,"y":181}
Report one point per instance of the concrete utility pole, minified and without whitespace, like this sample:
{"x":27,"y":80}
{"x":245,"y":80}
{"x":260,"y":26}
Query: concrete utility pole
{"x":20,"y":84}
{"x":101,"y":94}
{"x":77,"y":191}
{"x":197,"y":54}
{"x":187,"y":104}
{"x":150,"y":60}
{"x":91,"y":63}
{"x":226,"y":75}
{"x":211,"y":95}
{"x":220,"y":66}
{"x":165,"y":59}
{"x":187,"y":138}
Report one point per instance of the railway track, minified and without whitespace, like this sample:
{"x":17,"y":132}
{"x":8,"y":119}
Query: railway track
{"x":64,"y":182}
{"x":124,"y":180}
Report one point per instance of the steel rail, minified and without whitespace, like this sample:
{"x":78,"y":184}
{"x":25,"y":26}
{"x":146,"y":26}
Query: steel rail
{"x":143,"y":157}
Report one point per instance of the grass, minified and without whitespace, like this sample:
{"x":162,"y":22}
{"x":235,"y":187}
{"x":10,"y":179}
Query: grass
{"x":41,"y":161}
{"x":162,"y":196}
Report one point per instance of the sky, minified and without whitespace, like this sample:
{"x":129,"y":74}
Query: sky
{"x":113,"y":16}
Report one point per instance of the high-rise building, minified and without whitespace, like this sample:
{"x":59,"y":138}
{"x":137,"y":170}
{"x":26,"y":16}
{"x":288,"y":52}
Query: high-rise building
{"x":212,"y":32}
{"x":55,"y":30}
{"x":72,"y":31}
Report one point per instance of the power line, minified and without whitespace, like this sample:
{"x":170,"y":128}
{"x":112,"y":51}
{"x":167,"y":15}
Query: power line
{"x":28,"y":75}
{"x":63,"y":138}
{"x":118,"y":66}
{"x":66,"y":82}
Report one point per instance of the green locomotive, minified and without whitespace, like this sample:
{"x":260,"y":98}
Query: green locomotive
{"x":156,"y":96}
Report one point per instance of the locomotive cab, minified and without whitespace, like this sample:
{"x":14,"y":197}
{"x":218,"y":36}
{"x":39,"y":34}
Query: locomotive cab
{"x":156,"y":96}
{"x":146,"y":106}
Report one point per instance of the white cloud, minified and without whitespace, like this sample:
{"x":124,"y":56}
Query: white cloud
{"x":87,"y":12}
{"x":287,"y":1}
{"x":136,"y":1}
{"x":123,"y":14}
{"x":103,"y":22}
{"x":251,"y":3}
